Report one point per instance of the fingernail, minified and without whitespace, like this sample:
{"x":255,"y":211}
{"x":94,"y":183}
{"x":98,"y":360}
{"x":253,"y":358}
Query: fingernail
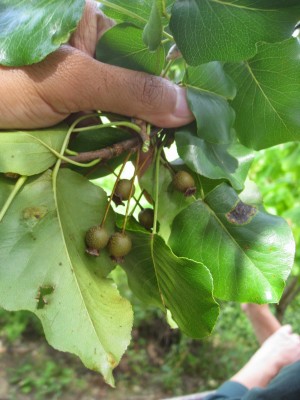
{"x":182,"y":109}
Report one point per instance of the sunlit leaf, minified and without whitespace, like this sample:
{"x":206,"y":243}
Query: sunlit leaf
{"x":43,"y":260}
{"x":210,"y":30}
{"x":267,"y":103}
{"x":249,"y":253}
{"x":30,"y":30}
{"x":214,"y":161}
{"x":183,"y":286}
{"x":27,"y":152}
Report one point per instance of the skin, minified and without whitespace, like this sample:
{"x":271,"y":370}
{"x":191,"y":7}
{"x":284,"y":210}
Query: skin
{"x":70,"y":80}
{"x":280,"y":347}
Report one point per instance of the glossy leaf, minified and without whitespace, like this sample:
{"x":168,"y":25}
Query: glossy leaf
{"x":183,"y":286}
{"x":30,"y":30}
{"x":209,"y":87}
{"x":212,"y":78}
{"x":123,"y":46}
{"x":249,"y":253}
{"x":267,"y":103}
{"x":214,"y":161}
{"x":210,"y":30}
{"x":214,"y":116}
{"x":27,"y":152}
{"x":43,"y":260}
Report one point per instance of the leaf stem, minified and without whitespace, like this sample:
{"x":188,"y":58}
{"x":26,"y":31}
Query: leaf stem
{"x":71,"y":152}
{"x":127,"y":124}
{"x":137,"y":202}
{"x":20,"y":182}
{"x":123,"y":10}
{"x":166,"y":70}
{"x":170,"y":37}
{"x":62,"y":151}
{"x":157,"y":162}
{"x":67,"y":159}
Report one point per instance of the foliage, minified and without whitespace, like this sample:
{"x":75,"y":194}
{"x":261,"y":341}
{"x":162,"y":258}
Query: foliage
{"x":51,"y":382}
{"x":207,"y":243}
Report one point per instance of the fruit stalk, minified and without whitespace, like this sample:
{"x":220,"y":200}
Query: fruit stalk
{"x":114,"y":188}
{"x":131,"y":191}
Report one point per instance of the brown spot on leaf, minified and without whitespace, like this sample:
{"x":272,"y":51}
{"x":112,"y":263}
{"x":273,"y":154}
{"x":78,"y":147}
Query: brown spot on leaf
{"x":34,"y":212}
{"x":41,"y":296}
{"x":241,"y":214}
{"x":111,"y":360}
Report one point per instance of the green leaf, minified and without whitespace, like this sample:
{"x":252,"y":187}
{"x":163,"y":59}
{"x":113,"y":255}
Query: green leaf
{"x":218,"y":30}
{"x":267,"y":103}
{"x":214,"y":161}
{"x":44,"y":269}
{"x":248,"y":252}
{"x":183,"y":286}
{"x":212,"y":78}
{"x":123,"y":46}
{"x":27,"y":152}
{"x":30,"y":30}
{"x":152,"y":34}
{"x":136,"y":11}
{"x":214,"y":116}
{"x":209,"y":87}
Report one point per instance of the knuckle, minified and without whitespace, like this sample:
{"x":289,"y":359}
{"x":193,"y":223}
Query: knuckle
{"x":151,"y":92}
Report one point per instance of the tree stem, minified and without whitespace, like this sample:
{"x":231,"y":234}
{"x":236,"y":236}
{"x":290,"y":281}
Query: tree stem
{"x":108,"y":152}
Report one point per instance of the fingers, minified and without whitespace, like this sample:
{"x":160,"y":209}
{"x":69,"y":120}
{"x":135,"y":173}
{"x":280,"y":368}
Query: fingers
{"x":90,"y":28}
{"x":72,"y":81}
{"x":286,"y":329}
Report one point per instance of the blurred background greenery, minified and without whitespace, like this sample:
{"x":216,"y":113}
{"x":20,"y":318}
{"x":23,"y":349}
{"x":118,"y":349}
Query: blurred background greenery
{"x":160,"y":362}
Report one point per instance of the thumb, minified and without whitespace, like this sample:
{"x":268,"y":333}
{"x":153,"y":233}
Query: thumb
{"x":74,"y":82}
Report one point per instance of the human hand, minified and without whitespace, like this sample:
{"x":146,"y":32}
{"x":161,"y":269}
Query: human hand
{"x":282,"y":348}
{"x":70,"y":80}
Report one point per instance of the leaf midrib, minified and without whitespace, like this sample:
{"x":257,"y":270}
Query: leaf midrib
{"x":226,"y":4}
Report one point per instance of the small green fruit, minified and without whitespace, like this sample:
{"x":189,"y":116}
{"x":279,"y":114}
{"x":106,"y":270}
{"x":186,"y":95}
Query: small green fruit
{"x":146,"y":218}
{"x":119,"y":245}
{"x":123,"y":189}
{"x":96,"y":238}
{"x":184,"y":183}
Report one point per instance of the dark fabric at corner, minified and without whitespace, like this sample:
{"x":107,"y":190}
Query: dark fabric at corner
{"x":285,"y":386}
{"x":229,"y":390}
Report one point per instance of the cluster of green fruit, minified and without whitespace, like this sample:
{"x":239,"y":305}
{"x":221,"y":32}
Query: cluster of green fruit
{"x":120,"y":244}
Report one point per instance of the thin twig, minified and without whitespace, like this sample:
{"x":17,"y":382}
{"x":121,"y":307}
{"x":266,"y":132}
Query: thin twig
{"x":110,"y":152}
